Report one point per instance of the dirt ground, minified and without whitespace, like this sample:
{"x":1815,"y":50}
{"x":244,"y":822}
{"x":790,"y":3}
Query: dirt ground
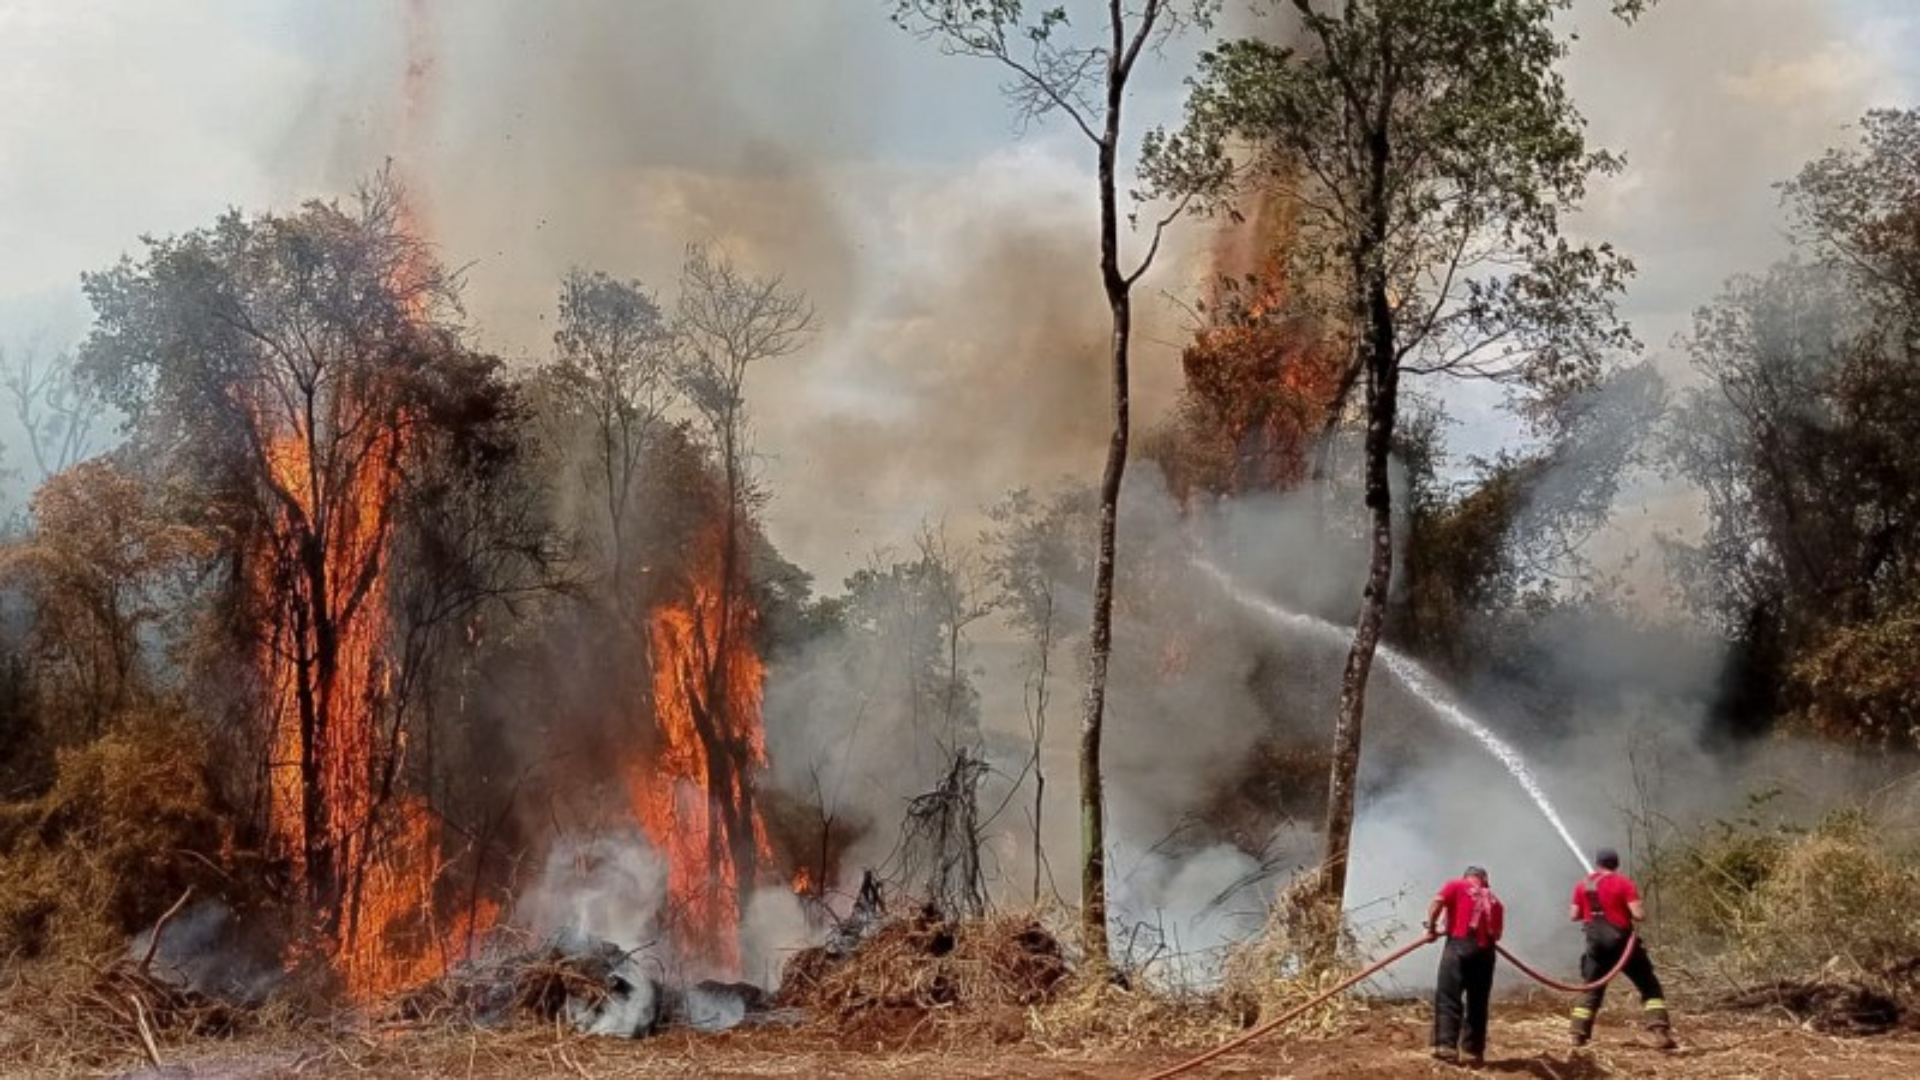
{"x":1528,"y":1040}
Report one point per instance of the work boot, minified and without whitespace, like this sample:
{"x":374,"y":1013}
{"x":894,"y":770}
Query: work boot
{"x":1581,"y":1027}
{"x":1476,"y":1061}
{"x":1660,"y":1026}
{"x":1446,"y":1055}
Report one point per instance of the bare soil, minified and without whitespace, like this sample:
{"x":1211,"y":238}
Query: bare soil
{"x":1382,"y":1040}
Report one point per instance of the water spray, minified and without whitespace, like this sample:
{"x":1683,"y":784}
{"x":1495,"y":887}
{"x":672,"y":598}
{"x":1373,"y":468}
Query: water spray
{"x":1416,"y":679}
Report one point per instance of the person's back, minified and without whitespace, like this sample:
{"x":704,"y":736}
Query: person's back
{"x":1475,"y":919}
{"x":1610,"y":895}
{"x":1607,"y":903}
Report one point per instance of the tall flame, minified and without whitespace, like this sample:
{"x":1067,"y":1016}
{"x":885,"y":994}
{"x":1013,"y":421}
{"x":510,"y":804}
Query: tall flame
{"x":322,"y":571}
{"x":345,"y":680}
{"x":695,"y":798}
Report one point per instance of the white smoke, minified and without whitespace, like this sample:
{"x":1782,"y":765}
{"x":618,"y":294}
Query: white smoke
{"x":202,"y":948}
{"x":609,"y":887}
{"x":773,"y":926}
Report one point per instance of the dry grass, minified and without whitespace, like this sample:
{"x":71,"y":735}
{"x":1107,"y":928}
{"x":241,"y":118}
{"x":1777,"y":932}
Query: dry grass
{"x":1823,"y":925}
{"x":1385,"y":1041}
{"x":927,"y":982}
{"x":128,"y":826}
{"x":80,"y":1016}
{"x":1285,"y":965}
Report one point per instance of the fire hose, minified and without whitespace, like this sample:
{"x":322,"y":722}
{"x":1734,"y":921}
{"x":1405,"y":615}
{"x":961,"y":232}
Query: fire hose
{"x":1430,"y":937}
{"x":1242,"y":1040}
{"x":1633,"y":942}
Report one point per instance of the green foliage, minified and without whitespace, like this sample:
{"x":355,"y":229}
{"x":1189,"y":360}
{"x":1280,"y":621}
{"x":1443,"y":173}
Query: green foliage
{"x":1774,"y":901}
{"x":906,"y":622}
{"x":1805,"y":440}
{"x":1489,"y":554}
{"x":1860,"y":207}
{"x":1057,"y":66}
{"x":1431,"y":148}
{"x":1035,"y":546}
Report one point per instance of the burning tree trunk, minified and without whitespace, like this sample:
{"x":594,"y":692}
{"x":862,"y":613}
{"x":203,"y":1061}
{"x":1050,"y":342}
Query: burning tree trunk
{"x":726,"y":322}
{"x":696,"y":797}
{"x":321,"y":581}
{"x":286,"y":368}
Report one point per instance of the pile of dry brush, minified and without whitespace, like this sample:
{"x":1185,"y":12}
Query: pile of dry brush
{"x":913,"y":975}
{"x":926,"y":981}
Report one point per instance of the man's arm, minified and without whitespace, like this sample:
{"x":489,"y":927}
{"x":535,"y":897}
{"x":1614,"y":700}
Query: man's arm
{"x":1573,"y":912}
{"x":1634,"y":909}
{"x":1434,"y":908}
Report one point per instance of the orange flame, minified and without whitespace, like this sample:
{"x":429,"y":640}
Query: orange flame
{"x":354,"y":538}
{"x":695,"y":798}
{"x":328,"y":661}
{"x":1263,"y":377}
{"x":386,"y":855}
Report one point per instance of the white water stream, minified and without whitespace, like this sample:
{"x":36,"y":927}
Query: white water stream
{"x":1416,"y":679}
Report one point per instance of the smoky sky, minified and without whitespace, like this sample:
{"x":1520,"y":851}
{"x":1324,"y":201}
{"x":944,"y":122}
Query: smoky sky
{"x":949,"y":251}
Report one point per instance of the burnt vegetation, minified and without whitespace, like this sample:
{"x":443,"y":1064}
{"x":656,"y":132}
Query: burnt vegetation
{"x":360,"y":668}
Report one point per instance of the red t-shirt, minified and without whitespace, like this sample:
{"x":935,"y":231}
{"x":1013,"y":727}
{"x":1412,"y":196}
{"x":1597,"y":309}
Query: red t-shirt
{"x":1458,"y":900}
{"x":1616,"y":892}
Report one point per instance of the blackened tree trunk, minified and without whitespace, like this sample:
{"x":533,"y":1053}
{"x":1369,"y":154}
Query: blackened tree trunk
{"x":1382,"y":399}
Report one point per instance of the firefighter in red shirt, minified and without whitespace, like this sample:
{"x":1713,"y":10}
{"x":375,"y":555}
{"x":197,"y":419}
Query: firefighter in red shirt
{"x":1475,"y":919}
{"x":1608,"y":902}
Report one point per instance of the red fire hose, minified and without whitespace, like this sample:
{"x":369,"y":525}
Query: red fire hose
{"x":1236,"y":1043}
{"x":1190,"y":1064}
{"x":1633,"y":942}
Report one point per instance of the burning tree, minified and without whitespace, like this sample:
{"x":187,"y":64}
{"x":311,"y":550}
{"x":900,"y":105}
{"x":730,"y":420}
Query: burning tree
{"x":1265,"y":382}
{"x":697,"y":800}
{"x":293,"y":373}
{"x":647,"y":407}
{"x":1431,"y":149}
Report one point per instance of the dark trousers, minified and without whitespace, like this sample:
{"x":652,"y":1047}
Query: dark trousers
{"x":1460,"y":996}
{"x":1604,"y":942}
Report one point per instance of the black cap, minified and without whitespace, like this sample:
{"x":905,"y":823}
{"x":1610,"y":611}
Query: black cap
{"x":1608,"y":858}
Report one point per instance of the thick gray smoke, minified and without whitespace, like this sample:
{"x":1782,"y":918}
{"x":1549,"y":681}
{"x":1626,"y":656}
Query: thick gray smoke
{"x":952,"y":265}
